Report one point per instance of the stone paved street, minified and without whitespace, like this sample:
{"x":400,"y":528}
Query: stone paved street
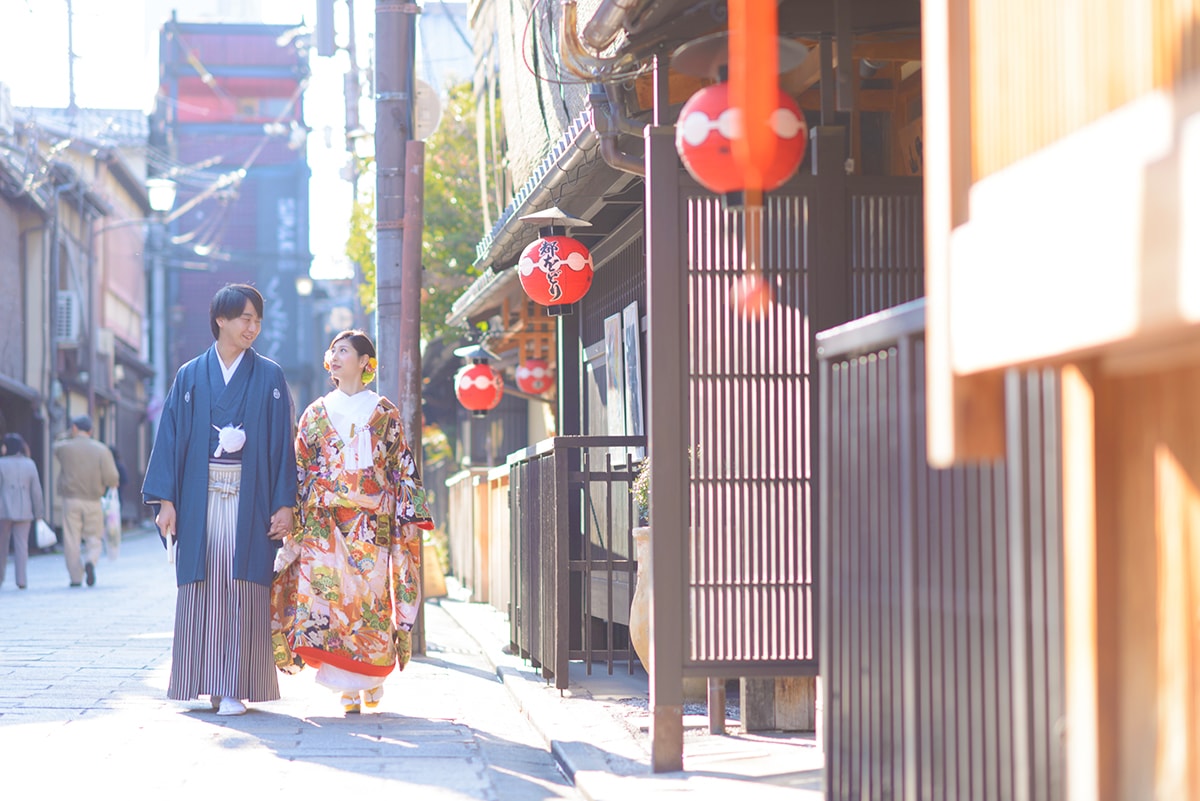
{"x":83,"y":675}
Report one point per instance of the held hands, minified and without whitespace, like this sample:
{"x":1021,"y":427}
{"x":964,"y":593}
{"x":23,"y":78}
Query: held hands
{"x":281,"y":523}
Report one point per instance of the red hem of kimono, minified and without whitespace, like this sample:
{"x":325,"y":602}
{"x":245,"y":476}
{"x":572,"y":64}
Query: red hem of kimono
{"x":315,"y":657}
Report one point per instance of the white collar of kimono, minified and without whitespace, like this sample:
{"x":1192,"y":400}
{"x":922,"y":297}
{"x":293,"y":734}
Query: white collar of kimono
{"x":227,"y":372}
{"x":349,"y":415}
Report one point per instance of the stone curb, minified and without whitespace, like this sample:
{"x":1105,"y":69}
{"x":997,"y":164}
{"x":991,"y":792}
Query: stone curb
{"x":602,"y":757}
{"x":583,"y":737}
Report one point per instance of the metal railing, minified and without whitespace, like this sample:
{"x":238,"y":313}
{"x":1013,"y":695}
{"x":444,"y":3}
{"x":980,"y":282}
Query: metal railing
{"x":571,"y":521}
{"x":941,"y":605}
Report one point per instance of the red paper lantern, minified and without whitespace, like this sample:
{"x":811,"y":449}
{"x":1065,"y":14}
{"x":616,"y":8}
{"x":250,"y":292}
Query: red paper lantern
{"x":533,"y":376}
{"x":556,"y":271}
{"x":706,"y":130}
{"x":479,"y":388}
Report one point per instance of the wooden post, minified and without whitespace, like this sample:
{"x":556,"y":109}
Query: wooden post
{"x":716,"y":706}
{"x":966,"y":414}
{"x":1131,"y":555}
{"x":409,"y":379}
{"x":1080,"y":583}
{"x":666,"y":315}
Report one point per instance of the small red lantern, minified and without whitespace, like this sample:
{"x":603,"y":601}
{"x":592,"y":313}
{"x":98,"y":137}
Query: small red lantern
{"x":479,"y":388}
{"x":533,"y":376}
{"x":708,"y":126}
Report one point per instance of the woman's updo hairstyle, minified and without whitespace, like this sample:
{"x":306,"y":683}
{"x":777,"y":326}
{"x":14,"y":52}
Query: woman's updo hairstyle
{"x":363,"y":346}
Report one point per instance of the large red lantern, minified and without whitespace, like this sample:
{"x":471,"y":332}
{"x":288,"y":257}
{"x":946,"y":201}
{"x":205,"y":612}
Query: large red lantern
{"x":556,"y":270}
{"x":709,"y":124}
{"x":533,"y":376}
{"x":479,"y":388}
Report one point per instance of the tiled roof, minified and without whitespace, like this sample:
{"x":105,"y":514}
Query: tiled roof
{"x":111,"y":127}
{"x":545,"y":173}
{"x":491,"y":251}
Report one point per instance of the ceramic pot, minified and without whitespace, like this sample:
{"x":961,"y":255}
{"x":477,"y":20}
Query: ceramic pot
{"x":639,"y":607}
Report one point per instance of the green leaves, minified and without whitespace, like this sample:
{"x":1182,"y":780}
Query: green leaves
{"x":452,"y":214}
{"x":452,"y":218}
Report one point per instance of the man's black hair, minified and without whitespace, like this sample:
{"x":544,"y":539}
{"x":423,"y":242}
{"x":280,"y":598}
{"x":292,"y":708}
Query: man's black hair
{"x":230,"y":302}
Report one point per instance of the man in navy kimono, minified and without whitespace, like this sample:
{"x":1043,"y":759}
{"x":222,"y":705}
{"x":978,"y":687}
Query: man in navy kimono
{"x":223,"y":473}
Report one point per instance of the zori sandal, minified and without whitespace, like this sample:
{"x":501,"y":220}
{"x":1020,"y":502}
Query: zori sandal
{"x":373,"y":696}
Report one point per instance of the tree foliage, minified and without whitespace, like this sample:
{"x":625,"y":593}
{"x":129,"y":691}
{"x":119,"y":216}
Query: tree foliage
{"x":451,"y":218}
{"x":360,"y":245}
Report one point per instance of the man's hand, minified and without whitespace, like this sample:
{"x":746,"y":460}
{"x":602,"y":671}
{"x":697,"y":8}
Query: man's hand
{"x":165,"y":519}
{"x":281,"y":523}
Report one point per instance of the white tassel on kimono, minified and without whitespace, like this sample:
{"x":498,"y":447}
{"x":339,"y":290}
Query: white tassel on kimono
{"x":230,"y":439}
{"x":359,"y":451}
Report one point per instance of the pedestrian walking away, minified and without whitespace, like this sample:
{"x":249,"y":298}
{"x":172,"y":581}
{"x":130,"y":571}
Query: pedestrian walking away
{"x":223,"y":474}
{"x":346,"y":593}
{"x":20,"y":504}
{"x":85,"y":472}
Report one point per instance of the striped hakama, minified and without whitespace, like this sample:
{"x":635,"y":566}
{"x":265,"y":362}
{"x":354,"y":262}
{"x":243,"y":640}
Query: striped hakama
{"x":222,"y":642}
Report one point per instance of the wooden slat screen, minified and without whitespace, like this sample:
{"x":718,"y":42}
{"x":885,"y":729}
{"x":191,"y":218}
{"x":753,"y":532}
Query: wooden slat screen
{"x":1041,"y":70}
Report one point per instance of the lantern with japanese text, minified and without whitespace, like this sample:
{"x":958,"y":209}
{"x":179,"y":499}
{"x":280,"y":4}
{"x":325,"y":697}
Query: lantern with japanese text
{"x":555,"y":270}
{"x":533,"y":376}
{"x":708,"y":126}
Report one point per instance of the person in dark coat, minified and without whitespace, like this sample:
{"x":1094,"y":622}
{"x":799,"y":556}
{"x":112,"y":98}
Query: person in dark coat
{"x":223,"y":474}
{"x":20,"y":503}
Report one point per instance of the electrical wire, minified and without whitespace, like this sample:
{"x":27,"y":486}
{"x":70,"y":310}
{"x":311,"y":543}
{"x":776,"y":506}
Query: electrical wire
{"x":39,"y":165}
{"x":454,"y":24}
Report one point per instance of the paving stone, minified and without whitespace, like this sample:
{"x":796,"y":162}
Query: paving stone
{"x":83,"y":677}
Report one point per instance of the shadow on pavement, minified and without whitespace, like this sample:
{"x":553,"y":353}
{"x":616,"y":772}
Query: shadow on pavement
{"x":457,"y":667}
{"x":392,"y":746}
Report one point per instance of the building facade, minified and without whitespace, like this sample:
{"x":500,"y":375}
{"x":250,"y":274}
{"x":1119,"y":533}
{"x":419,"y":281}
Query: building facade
{"x":79,"y":206}
{"x":230,"y":120}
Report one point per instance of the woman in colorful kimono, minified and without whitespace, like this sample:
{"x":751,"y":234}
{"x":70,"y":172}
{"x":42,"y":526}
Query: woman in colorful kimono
{"x":345,"y":595}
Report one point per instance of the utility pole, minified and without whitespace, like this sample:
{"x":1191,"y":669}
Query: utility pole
{"x":353,"y":92}
{"x":70,"y":57}
{"x":399,"y":350}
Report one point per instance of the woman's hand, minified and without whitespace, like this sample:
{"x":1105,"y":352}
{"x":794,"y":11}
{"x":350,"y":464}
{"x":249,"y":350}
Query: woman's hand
{"x":281,"y":523}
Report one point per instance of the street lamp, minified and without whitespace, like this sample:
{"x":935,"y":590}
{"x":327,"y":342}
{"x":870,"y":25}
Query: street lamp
{"x":160,"y":192}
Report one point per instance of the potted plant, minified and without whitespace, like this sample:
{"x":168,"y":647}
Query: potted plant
{"x":640,"y":491}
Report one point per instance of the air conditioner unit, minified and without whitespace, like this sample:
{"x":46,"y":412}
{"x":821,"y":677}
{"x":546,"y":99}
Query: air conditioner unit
{"x":68,"y":314}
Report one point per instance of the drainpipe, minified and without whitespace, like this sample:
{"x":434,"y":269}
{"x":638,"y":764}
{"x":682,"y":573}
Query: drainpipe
{"x":576,"y":57}
{"x":610,"y":123}
{"x":607,"y":22}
